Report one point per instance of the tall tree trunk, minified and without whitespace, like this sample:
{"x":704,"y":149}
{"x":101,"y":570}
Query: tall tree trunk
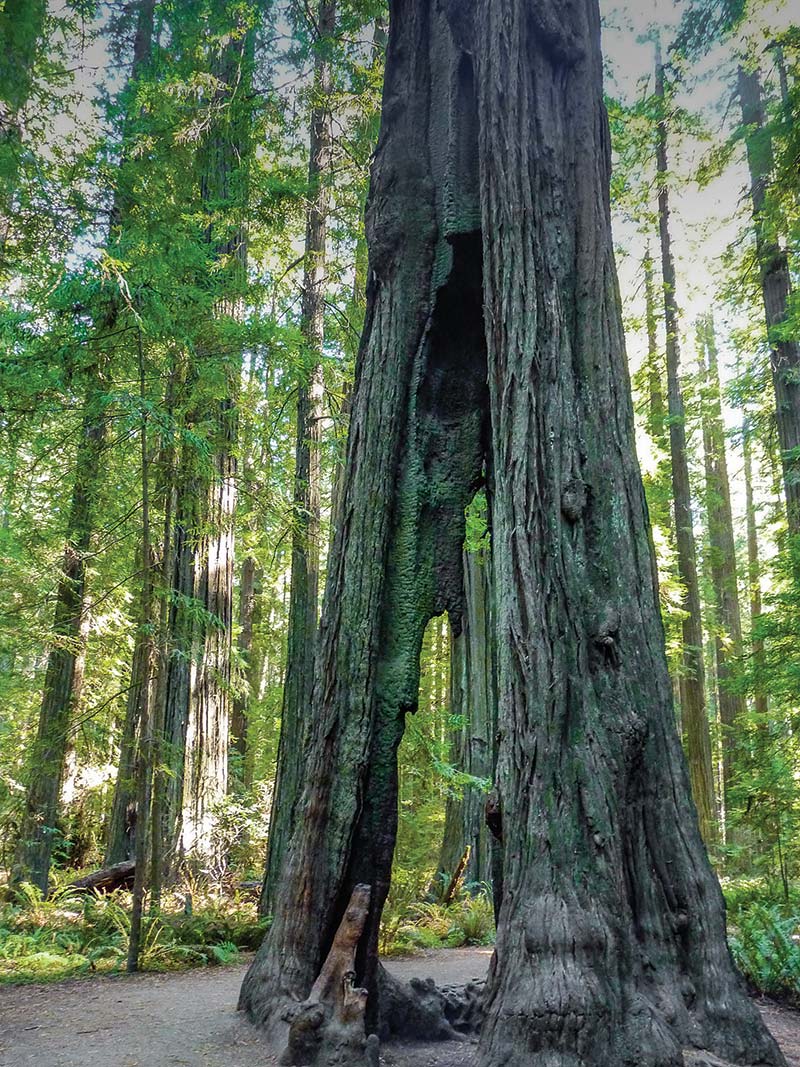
{"x":490,"y":189}
{"x":474,"y":698}
{"x":144,"y":755}
{"x":753,"y":566}
{"x":205,"y":780}
{"x":61,"y":683}
{"x":657,"y":412}
{"x":121,"y":837}
{"x":178,"y":665}
{"x":249,"y":596}
{"x":62,"y":678}
{"x":21,"y":27}
{"x":198,"y":645}
{"x":304,"y":600}
{"x":722,"y":556}
{"x":693,"y":704}
{"x":776,"y":288}
{"x":34,"y":847}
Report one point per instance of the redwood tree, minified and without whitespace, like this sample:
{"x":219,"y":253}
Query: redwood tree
{"x":303,"y":607}
{"x":491,"y":261}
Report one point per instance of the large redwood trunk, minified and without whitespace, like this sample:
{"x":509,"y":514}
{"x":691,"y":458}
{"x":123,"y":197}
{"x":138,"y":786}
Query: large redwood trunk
{"x":490,"y":190}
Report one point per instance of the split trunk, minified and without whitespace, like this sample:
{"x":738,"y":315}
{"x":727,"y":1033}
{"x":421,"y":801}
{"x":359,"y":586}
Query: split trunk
{"x":490,"y":191}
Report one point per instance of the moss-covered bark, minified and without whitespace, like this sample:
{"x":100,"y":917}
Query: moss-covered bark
{"x":491,"y":259}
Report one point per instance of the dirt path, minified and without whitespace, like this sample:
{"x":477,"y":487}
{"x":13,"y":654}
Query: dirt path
{"x":190,"y":1020}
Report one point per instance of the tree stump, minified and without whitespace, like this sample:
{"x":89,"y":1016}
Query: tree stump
{"x":327,"y":1029}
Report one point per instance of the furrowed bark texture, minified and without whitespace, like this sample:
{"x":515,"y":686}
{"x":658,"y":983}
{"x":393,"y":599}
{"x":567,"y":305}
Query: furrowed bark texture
{"x":776,"y":287}
{"x":721,"y":553}
{"x":611,"y":947}
{"x":304,"y":600}
{"x":415,"y":457}
{"x":694,"y":718}
{"x":611,"y":944}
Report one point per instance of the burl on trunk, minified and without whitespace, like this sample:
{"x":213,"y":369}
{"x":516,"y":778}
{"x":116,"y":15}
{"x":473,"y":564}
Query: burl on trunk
{"x":494,"y":344}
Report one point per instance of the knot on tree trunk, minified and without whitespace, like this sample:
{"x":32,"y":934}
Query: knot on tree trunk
{"x":327,"y":1029}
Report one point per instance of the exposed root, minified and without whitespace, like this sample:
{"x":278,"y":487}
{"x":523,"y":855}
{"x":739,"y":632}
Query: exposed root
{"x":327,"y":1029}
{"x":419,"y":1010}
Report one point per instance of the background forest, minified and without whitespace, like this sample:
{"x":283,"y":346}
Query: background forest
{"x":184,"y":276}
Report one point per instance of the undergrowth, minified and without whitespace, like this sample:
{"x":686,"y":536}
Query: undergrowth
{"x":73,"y":933}
{"x":764,"y":937}
{"x":409,"y":925}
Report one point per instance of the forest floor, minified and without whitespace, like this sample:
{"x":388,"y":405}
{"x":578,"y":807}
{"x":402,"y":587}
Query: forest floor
{"x":189,"y":1019}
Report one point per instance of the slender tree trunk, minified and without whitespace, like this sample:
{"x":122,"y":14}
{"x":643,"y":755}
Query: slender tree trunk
{"x":753,"y":566}
{"x":121,"y":839}
{"x":722,"y":556}
{"x":693,"y":709}
{"x":303,"y":604}
{"x":158,"y":842}
{"x":34,"y":846}
{"x":198,"y":700}
{"x":62,"y":681}
{"x":657,"y":412}
{"x":249,"y":594}
{"x":180,"y":651}
{"x":490,"y":190}
{"x":473,"y":697}
{"x":21,"y":29}
{"x":144,"y":762}
{"x":776,"y":287}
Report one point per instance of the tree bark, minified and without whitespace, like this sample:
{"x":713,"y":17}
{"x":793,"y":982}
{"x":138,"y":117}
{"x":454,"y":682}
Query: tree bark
{"x":197,"y":722}
{"x":776,"y":288}
{"x":121,"y":838}
{"x":62,"y":679}
{"x":490,"y":190}
{"x":722,"y":556}
{"x":693,"y":703}
{"x":21,"y":28}
{"x":249,"y":595}
{"x":38,"y":826}
{"x":761,"y":704}
{"x":304,"y":599}
{"x":474,"y":698}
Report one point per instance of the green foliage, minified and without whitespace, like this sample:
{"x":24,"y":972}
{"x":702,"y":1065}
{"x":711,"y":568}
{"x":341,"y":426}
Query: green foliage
{"x":73,"y":933}
{"x":415,"y":925}
{"x":766,"y":947}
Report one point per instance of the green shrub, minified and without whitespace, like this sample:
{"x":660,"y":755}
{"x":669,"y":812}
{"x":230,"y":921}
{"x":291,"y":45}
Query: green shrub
{"x":74,"y":933}
{"x":766,"y":949}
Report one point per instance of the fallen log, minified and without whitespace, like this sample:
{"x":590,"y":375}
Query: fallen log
{"x":118,"y":876}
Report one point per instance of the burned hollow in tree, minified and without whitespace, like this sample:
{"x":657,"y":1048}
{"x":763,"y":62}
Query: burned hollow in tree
{"x":491,"y":262}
